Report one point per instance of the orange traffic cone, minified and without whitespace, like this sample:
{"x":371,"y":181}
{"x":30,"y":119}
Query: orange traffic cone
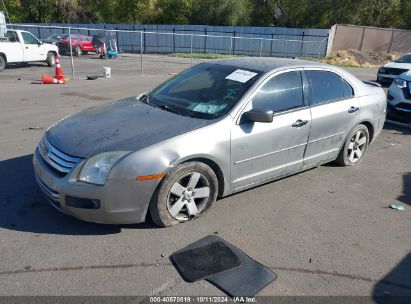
{"x":59,"y":71}
{"x":47,"y":79}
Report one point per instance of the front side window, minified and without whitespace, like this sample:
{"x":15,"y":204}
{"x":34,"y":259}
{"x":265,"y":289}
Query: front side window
{"x":325,"y":86}
{"x":282,"y":92}
{"x":29,"y":38}
{"x":205,"y":91}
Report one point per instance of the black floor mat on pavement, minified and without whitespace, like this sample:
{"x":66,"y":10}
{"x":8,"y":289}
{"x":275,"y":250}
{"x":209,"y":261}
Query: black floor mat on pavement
{"x":245,"y":280}
{"x":199,"y":262}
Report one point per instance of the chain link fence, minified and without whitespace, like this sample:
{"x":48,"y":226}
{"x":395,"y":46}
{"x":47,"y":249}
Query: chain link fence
{"x":134,"y":52}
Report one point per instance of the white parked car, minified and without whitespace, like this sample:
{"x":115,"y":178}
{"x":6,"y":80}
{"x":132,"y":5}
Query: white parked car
{"x":388,"y":72}
{"x":21,"y":46}
{"x":399,"y":98}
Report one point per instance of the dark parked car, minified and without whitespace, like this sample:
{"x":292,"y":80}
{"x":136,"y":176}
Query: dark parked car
{"x":53,"y":39}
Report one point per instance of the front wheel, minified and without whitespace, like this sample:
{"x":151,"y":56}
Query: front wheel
{"x":186,"y":193}
{"x":51,"y":59}
{"x":354,"y":147}
{"x":77,"y":51}
{"x":2,"y":63}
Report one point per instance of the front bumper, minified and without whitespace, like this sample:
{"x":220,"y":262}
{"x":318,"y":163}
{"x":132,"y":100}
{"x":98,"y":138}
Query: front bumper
{"x":120,"y":201}
{"x":385,"y":78}
{"x":399,"y":104}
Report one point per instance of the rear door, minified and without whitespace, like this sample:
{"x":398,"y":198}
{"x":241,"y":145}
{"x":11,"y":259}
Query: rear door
{"x":334,"y":112}
{"x":33,"y":49}
{"x":261,"y":151}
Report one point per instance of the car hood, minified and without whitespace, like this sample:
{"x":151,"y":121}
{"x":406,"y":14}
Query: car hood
{"x":395,"y":65}
{"x":127,"y":125}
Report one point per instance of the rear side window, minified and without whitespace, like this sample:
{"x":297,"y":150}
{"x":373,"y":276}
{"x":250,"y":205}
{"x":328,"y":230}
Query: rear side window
{"x":347,"y":89}
{"x":280,"y":93}
{"x":326,"y":86}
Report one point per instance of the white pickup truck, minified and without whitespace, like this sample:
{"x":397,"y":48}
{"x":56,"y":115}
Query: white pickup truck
{"x":20,"y":46}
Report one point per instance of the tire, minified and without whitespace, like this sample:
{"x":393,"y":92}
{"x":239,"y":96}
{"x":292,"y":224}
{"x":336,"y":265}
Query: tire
{"x":77,"y":51}
{"x":84,"y":52}
{"x":51,"y":59}
{"x":355,"y":146}
{"x":175,"y":201}
{"x":2,"y":63}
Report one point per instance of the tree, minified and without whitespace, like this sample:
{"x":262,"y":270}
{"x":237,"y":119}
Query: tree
{"x":15,"y":10}
{"x":221,"y":12}
{"x":173,"y":12}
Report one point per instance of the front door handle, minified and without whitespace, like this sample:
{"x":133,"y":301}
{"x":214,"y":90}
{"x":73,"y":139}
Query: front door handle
{"x":353,"y":109}
{"x":299,"y":123}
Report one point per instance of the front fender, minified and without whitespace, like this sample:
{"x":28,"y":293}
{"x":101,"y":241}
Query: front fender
{"x":211,"y":142}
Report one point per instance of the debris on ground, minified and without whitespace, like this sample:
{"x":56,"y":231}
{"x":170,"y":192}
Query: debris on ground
{"x":397,"y":207}
{"x":357,"y":58}
{"x":223,"y":265}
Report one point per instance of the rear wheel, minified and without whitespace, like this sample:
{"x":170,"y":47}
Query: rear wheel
{"x":354,"y":147}
{"x":185,"y":194}
{"x":2,"y":63}
{"x":51,"y":59}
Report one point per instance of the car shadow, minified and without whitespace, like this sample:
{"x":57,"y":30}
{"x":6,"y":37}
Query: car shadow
{"x":24,"y":65}
{"x":406,"y":196}
{"x":397,"y":128}
{"x":24,"y":208}
{"x":395,"y":287}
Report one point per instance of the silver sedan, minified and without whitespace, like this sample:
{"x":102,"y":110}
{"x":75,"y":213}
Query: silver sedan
{"x":213,"y":130}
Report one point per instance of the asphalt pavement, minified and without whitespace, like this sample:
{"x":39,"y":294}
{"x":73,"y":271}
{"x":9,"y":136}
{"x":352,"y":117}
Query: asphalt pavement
{"x":327,"y":231}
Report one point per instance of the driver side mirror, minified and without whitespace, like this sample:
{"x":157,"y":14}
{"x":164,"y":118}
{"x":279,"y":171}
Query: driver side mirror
{"x":259,"y":116}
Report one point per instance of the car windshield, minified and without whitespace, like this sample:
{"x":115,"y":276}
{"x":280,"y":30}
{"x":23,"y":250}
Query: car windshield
{"x":404,"y":59}
{"x":55,"y":37}
{"x":205,"y":91}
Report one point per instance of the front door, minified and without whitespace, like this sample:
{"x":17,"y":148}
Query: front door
{"x":33,"y":49}
{"x":261,"y":151}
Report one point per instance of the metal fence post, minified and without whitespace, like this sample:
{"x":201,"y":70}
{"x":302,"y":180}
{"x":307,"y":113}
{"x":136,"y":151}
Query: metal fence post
{"x":191,"y":50}
{"x":71,"y":54}
{"x":141,"y":53}
{"x":285,"y":48}
{"x":261,"y":46}
{"x":231,"y":45}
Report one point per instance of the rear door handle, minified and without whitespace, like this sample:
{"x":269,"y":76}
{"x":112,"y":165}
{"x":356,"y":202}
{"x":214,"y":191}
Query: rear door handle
{"x":299,"y":123}
{"x":353,"y":109}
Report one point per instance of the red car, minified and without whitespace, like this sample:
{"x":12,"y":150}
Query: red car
{"x":80,"y":44}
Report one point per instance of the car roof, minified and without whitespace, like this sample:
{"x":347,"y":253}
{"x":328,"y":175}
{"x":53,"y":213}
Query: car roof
{"x":266,"y":64}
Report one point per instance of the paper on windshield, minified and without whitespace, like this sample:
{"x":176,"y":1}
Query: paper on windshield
{"x":241,"y":76}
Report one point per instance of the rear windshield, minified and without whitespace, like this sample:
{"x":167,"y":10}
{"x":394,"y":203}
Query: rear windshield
{"x":205,"y":91}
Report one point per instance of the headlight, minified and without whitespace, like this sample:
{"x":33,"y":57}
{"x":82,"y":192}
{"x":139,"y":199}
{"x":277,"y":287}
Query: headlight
{"x":400,"y":82}
{"x":96,"y":169}
{"x":381,"y":70}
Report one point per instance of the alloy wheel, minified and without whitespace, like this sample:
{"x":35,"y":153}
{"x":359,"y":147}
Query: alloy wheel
{"x":188,"y":196}
{"x":357,"y":146}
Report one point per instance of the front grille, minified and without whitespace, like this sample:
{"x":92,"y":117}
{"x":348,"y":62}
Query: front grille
{"x":404,"y":106}
{"x":393,"y":71}
{"x":59,"y":161}
{"x":52,"y":196}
